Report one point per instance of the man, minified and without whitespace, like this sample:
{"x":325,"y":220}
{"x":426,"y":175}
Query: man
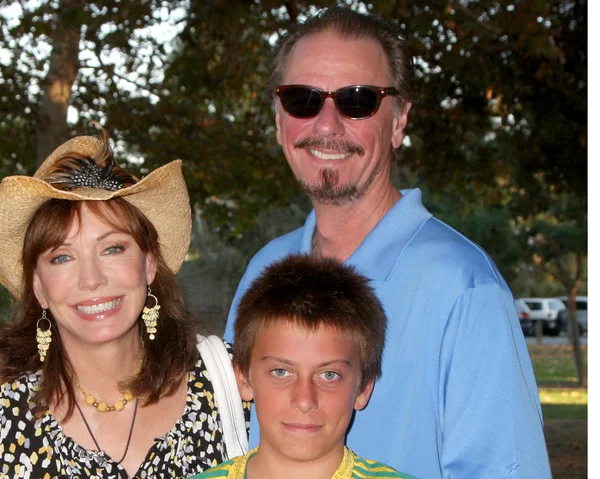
{"x":457,"y":397}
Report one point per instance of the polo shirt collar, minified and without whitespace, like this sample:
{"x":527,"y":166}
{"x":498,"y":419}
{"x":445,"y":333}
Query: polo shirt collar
{"x":378,"y":255}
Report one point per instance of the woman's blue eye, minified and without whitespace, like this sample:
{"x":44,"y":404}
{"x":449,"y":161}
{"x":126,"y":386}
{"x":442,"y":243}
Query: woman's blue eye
{"x":114,"y":249}
{"x":61,"y":258}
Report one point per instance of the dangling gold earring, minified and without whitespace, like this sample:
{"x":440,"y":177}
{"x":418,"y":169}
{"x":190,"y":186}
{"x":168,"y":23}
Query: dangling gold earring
{"x":44,"y":338}
{"x":150,"y":316}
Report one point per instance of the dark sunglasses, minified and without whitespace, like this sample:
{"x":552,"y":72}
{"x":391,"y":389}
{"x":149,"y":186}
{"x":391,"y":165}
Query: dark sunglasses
{"x":356,"y":102}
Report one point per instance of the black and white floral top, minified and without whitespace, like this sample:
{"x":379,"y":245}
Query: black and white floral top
{"x":38,"y":449}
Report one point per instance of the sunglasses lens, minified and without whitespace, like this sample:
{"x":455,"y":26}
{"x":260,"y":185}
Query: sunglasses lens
{"x":357,"y":101}
{"x":302,"y":102}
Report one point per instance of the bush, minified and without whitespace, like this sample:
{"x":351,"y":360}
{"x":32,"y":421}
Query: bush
{"x":6,"y":303}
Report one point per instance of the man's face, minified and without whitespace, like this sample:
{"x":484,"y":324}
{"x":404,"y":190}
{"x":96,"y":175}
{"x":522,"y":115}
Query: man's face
{"x":336,"y":159}
{"x":305,"y":385}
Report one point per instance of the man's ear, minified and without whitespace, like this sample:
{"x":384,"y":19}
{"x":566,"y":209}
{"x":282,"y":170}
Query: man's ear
{"x":362,"y":398}
{"x":278,"y":125}
{"x":399,"y":123}
{"x":244,"y":385}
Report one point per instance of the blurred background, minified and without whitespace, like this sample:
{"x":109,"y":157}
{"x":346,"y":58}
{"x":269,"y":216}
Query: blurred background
{"x":497,"y":141}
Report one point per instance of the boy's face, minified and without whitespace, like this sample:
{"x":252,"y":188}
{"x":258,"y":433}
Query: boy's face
{"x":305,"y":386}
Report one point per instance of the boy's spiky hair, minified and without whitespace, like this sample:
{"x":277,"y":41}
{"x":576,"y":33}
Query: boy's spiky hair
{"x":313,"y":292}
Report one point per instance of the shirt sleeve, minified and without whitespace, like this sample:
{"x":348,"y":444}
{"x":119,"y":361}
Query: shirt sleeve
{"x":489,"y":405}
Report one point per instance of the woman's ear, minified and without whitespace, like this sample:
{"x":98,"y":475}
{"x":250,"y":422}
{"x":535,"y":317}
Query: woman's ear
{"x":151,"y":267}
{"x":362,"y":399}
{"x":244,"y":385}
{"x":38,"y":290}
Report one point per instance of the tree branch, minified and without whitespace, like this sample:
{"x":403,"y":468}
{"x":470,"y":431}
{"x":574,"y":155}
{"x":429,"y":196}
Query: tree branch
{"x":124,"y":78}
{"x":475,"y":19}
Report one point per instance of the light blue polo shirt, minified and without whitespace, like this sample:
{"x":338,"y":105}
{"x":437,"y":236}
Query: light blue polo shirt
{"x":457,"y":398}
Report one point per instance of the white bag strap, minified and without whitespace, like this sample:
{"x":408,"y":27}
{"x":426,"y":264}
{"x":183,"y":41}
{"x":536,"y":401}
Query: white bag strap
{"x":227,"y":396}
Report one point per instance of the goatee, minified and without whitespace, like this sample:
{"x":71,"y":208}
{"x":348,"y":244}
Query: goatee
{"x":328,"y":192}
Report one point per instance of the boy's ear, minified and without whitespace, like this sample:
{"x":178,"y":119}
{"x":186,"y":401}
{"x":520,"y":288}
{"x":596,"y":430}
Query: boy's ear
{"x":362,"y":399}
{"x":243,"y":384}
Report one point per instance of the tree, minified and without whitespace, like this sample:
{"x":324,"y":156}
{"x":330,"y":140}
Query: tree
{"x":558,"y":240}
{"x":51,"y":125}
{"x":65,"y":53}
{"x":500,"y":125}
{"x":502,"y":120}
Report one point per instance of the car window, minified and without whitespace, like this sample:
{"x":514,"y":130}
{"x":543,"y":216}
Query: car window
{"x":534,"y":305}
{"x":555,"y":304}
{"x":582,"y":305}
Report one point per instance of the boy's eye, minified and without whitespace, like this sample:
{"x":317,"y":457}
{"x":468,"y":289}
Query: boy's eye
{"x":330,"y":375}
{"x":279,"y":372}
{"x":61,"y":258}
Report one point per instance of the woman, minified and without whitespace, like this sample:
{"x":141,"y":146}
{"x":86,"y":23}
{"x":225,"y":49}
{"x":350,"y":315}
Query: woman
{"x":100,"y":371}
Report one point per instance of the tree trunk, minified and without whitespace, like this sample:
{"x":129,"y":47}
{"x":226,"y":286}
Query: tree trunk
{"x":539,"y":331}
{"x":51,"y":128}
{"x":579,"y":363}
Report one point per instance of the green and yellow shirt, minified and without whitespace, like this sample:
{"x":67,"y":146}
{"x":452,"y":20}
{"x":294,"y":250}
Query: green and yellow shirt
{"x":351,"y":467}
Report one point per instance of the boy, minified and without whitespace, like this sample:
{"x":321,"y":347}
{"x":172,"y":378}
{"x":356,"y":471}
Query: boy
{"x":309,"y":338}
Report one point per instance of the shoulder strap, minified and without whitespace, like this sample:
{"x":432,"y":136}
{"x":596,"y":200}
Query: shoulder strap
{"x":227,"y":397}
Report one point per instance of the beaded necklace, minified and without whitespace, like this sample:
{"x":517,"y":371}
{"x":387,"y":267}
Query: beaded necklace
{"x":101,"y":406}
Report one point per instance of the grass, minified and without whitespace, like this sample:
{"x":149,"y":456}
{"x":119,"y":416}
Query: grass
{"x":554,"y":366}
{"x":561,"y":403}
{"x":555,"y":372}
{"x":564,"y":406}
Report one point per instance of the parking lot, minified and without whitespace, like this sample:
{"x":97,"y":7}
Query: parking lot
{"x":561,"y":339}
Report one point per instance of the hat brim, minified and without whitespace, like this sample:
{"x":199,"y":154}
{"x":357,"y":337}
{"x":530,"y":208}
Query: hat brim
{"x":161,"y":196}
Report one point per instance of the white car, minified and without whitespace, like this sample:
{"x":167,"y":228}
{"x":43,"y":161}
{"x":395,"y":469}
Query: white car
{"x":525,"y":317}
{"x":546,"y":310}
{"x":581,"y":304}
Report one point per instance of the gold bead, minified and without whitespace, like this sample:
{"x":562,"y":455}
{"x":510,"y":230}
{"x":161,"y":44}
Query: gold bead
{"x":128,"y":396}
{"x":102,"y":407}
{"x":119,"y":406}
{"x":90,"y":399}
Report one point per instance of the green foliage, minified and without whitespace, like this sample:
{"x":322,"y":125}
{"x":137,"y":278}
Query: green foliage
{"x":498,"y":137}
{"x":531,"y":280}
{"x":6,"y":304}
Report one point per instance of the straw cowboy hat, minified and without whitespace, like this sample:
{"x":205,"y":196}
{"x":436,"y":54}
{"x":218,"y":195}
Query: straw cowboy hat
{"x":161,"y":196}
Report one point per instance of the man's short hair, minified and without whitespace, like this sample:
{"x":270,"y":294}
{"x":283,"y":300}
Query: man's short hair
{"x":350,"y":25}
{"x":312,"y":292}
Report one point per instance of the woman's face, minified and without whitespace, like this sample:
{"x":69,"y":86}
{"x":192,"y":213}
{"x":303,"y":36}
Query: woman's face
{"x":95,"y":283}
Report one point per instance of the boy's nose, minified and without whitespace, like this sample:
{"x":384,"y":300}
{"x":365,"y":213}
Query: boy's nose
{"x":305,"y":396}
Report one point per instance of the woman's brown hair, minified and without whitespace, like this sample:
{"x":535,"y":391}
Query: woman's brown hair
{"x":166,"y":359}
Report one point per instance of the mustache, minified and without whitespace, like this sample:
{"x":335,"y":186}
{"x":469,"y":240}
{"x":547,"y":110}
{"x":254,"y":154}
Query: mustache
{"x":341,"y":146}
